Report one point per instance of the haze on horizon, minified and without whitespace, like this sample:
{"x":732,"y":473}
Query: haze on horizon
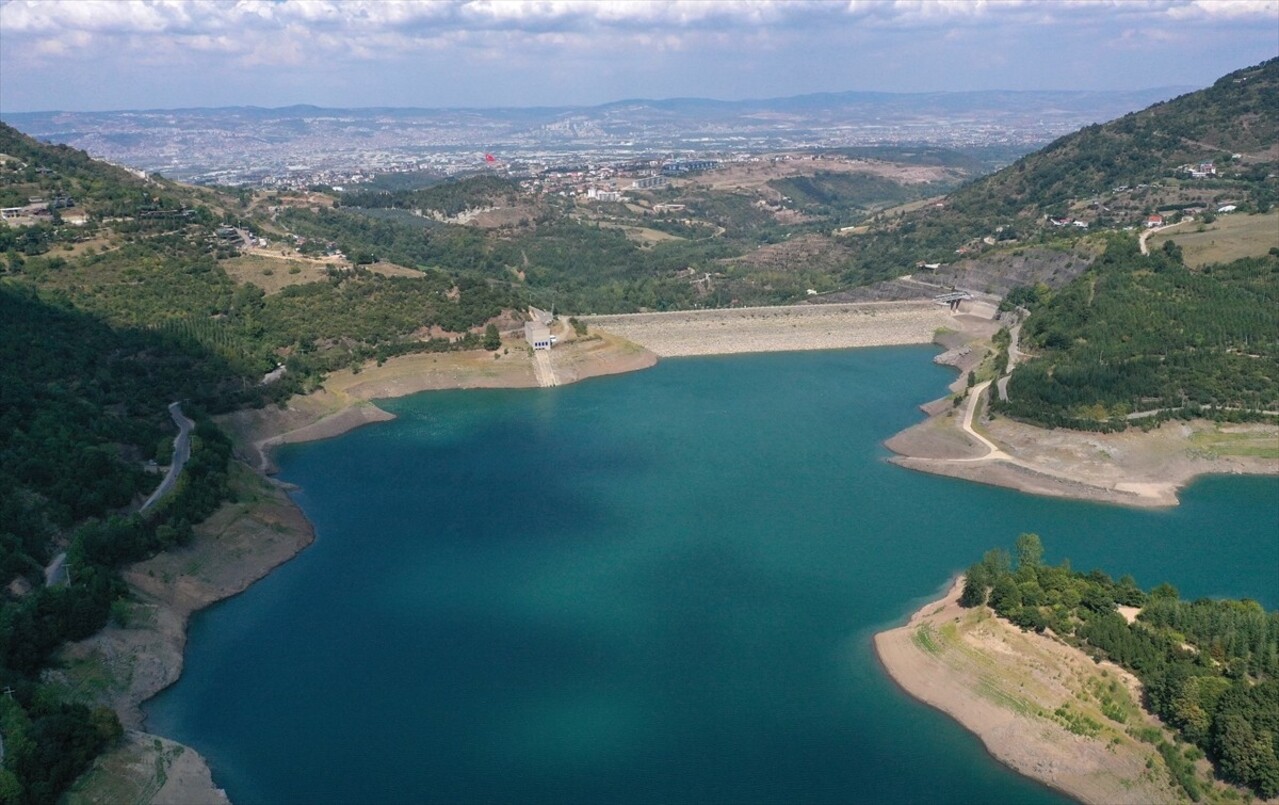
{"x":87,"y":55}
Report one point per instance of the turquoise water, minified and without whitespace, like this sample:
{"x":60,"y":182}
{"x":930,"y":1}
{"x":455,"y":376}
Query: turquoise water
{"x":657,"y":587}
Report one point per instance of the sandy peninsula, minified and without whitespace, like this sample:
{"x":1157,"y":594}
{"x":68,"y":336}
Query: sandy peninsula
{"x":1021,"y":693}
{"x":1132,"y":468}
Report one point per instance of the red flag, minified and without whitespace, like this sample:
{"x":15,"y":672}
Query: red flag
{"x":490,"y":158}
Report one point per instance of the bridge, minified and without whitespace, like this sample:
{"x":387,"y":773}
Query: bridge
{"x":953,"y":298}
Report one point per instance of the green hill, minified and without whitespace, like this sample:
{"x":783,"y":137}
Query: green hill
{"x":1137,"y":339}
{"x":1239,"y":114}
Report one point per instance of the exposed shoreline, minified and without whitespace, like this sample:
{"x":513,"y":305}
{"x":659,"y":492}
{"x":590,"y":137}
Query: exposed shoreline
{"x":123,"y":666}
{"x":615,"y":344}
{"x":232,"y":552}
{"x":1005,"y":686}
{"x":1131,"y":468}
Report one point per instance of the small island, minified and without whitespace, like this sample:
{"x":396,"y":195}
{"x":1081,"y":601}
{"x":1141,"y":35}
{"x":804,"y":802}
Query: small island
{"x":1095,"y":687}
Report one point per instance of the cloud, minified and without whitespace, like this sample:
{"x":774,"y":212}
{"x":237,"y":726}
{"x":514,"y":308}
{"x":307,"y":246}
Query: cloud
{"x":408,"y":22}
{"x":692,"y":46}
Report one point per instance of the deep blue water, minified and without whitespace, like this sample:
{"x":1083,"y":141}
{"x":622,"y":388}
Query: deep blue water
{"x":657,"y":587}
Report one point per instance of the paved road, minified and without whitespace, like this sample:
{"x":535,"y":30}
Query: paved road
{"x":56,"y":572}
{"x":181,"y":452}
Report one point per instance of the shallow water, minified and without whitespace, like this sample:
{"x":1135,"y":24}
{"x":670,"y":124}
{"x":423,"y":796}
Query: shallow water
{"x":657,"y":587}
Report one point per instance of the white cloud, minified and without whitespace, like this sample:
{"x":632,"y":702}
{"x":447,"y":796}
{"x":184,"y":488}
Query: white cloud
{"x":689,"y":43}
{"x":25,"y":20}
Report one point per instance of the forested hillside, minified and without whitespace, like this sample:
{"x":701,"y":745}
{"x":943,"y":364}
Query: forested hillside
{"x":83,"y":406}
{"x":1144,"y":338}
{"x":114,"y":303}
{"x":1190,"y":155}
{"x":1210,"y":668}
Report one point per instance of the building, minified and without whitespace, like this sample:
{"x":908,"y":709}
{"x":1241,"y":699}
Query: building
{"x":648,"y":182}
{"x":538,"y":335}
{"x":1154,"y":221}
{"x":688,"y":166}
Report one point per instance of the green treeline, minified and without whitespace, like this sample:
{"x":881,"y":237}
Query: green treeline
{"x":82,"y":406}
{"x":576,"y":266}
{"x":827,"y":193}
{"x":1140,"y":334}
{"x":48,"y":742}
{"x":448,"y":198}
{"x":1210,"y":668}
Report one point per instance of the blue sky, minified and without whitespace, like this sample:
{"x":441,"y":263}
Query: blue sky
{"x":121,"y":54}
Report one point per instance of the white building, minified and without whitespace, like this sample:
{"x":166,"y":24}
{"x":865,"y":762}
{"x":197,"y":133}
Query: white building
{"x":538,"y":335}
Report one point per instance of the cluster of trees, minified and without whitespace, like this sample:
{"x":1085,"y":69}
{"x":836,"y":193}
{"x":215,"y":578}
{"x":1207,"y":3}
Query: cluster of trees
{"x":844,"y":195}
{"x":82,"y":406}
{"x":49,"y":743}
{"x":447,"y":198}
{"x":1146,"y":334}
{"x":1210,"y":668}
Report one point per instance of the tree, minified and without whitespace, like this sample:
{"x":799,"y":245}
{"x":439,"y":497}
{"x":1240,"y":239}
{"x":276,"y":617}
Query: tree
{"x":492,"y":339}
{"x":1005,"y":597}
{"x":1030,"y":551}
{"x":976,"y":582}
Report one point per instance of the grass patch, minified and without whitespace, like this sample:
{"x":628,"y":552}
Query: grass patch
{"x":1113,"y":698}
{"x":926,"y":639}
{"x":1228,"y":238}
{"x":991,"y":691}
{"x":1076,"y":722}
{"x":88,"y":680}
{"x":1216,"y":443}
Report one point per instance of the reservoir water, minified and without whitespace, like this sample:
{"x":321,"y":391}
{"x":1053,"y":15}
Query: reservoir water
{"x":651,"y":588}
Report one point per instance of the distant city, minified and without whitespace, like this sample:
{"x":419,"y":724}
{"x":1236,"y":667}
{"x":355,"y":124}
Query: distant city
{"x":303,"y":146}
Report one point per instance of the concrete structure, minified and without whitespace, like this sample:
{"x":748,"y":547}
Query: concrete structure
{"x":953,"y":299}
{"x":538,"y":335}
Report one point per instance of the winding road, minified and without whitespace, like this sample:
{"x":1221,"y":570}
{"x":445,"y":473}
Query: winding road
{"x":181,"y":452}
{"x":56,"y":573}
{"x":993,"y":452}
{"x":1144,"y":236}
